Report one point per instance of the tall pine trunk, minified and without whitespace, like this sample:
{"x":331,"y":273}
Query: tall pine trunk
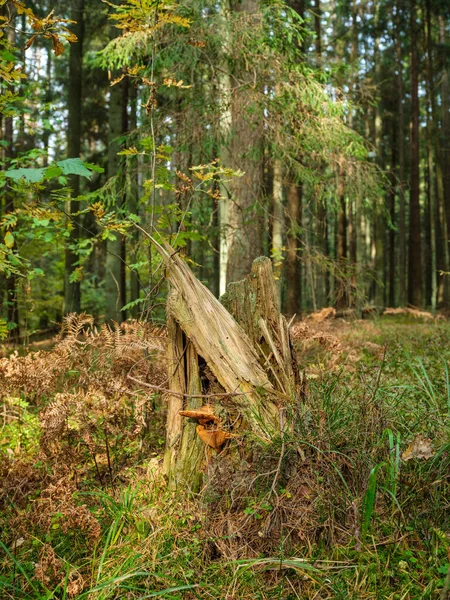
{"x":115,"y":248}
{"x":72,"y":289}
{"x":277,"y":227}
{"x":444,"y":159}
{"x":415,"y":276}
{"x":244,"y":214}
{"x":341,"y":242}
{"x":11,"y":282}
{"x":402,"y":258}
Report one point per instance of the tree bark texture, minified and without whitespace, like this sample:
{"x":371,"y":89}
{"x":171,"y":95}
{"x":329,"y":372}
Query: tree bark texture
{"x":245,"y":215}
{"x":293,"y":264}
{"x":72,"y":289}
{"x":115,"y":292}
{"x":415,"y":277}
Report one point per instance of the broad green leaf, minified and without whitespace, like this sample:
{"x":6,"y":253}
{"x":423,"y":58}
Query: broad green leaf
{"x":9,"y":239}
{"x":52,"y":172}
{"x":30,"y":175}
{"x":7,"y":56}
{"x":74,"y":166}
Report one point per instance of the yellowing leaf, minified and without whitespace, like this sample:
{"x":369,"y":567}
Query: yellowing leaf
{"x":9,"y":239}
{"x":117,"y":80}
{"x":129,"y":151}
{"x":58,"y":47}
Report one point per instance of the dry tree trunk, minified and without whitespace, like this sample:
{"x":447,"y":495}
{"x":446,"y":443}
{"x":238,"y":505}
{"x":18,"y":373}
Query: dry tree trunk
{"x":249,"y":355}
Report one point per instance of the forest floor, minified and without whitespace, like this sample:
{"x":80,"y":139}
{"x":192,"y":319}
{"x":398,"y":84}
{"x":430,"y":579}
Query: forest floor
{"x":360,"y":510}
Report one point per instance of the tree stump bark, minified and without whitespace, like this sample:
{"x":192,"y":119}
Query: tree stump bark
{"x":184,"y":449}
{"x":253,"y":303}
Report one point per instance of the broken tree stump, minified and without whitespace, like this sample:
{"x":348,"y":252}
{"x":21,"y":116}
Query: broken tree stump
{"x":249,"y":355}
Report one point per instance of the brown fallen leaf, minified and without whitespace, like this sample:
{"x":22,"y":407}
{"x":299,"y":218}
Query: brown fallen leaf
{"x":421,"y":447}
{"x":215,"y":438}
{"x":203,"y":415}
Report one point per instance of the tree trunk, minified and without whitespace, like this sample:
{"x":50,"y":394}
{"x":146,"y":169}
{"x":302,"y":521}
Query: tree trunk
{"x":184,"y":449}
{"x":379,"y":220}
{"x":115,"y":294}
{"x":402,"y":257}
{"x":277,"y":227}
{"x":415,"y":277}
{"x":11,"y":282}
{"x":431,"y":135}
{"x":72,"y":289}
{"x":341,"y":243}
{"x":443,"y":166}
{"x":226,"y":121}
{"x":392,"y":214}
{"x":244,"y":215}
{"x":293,"y":265}
{"x":247,"y":352}
{"x":132,"y":201}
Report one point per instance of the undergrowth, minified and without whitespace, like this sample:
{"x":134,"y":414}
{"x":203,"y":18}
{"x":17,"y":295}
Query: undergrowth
{"x":349,"y":501}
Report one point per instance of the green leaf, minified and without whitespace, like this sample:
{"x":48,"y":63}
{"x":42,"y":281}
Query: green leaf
{"x":9,"y":239}
{"x":7,"y":56}
{"x":30,"y":175}
{"x":74,"y":166}
{"x":94,"y":168}
{"x":52,"y":172}
{"x":134,"y":303}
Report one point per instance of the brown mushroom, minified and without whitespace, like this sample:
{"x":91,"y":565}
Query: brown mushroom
{"x":203,"y":415}
{"x":215,"y":438}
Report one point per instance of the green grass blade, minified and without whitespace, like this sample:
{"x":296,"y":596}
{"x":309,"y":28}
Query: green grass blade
{"x":168,"y":591}
{"x":19,"y":567}
{"x":369,"y":499}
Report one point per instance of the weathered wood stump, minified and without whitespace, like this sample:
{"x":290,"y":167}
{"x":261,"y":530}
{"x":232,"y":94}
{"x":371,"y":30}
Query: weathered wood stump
{"x":246,"y":350}
{"x":253,"y":303}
